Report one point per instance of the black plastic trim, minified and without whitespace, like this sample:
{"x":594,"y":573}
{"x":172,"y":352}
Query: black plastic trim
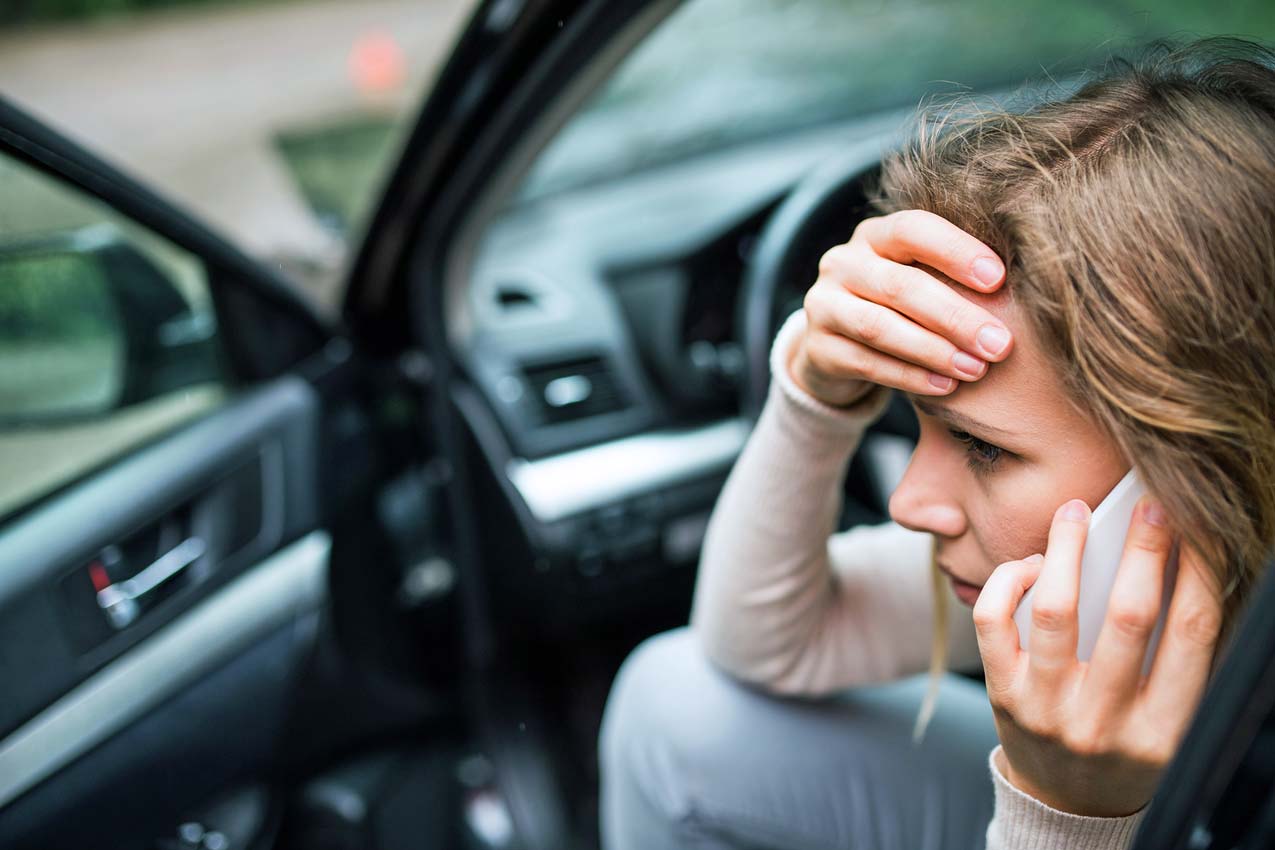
{"x":1238,"y":701}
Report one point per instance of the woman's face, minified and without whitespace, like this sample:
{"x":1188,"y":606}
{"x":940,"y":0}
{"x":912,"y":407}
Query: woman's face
{"x":997,"y":457}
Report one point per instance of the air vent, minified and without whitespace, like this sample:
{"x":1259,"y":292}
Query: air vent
{"x":574,"y":389}
{"x":514,"y":296}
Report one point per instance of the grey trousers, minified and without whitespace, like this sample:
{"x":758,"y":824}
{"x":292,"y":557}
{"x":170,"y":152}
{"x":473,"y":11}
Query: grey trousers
{"x":691,"y":758}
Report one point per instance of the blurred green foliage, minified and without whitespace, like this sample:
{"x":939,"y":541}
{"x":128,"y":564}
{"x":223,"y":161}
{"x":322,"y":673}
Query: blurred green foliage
{"x":337,"y":166}
{"x":32,"y":11}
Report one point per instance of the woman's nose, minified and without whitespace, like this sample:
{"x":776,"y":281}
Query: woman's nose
{"x":922,"y":501}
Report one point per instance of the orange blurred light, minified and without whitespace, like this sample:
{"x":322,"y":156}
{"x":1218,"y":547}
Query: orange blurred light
{"x":376,"y":63}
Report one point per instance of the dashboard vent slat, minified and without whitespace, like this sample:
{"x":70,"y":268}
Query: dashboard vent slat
{"x":515,"y":297}
{"x":574,"y":389}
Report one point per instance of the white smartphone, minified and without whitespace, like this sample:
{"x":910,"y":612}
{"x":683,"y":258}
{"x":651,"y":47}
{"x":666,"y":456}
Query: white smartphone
{"x":1104,"y":545}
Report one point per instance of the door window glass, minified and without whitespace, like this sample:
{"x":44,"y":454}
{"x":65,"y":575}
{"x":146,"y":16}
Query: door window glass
{"x":107,"y":336}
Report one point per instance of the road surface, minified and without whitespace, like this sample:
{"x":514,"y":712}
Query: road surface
{"x":190,"y":100}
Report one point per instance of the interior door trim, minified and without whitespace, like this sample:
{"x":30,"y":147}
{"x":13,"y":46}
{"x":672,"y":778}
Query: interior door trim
{"x":147,"y":484}
{"x":289,"y":583}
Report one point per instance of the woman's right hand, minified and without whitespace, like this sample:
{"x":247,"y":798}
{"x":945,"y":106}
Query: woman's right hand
{"x":875,"y":317}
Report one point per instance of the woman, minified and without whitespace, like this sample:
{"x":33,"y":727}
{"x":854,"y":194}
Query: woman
{"x":1061,"y":294}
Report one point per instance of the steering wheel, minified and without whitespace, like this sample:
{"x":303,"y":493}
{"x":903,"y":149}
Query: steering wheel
{"x":820,"y":212}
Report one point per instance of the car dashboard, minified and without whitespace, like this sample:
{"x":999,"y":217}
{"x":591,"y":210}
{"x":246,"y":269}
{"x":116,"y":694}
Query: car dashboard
{"x":601,"y":336}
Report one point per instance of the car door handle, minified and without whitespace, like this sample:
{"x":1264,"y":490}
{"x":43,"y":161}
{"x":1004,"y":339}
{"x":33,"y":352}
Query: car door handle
{"x":120,"y":600}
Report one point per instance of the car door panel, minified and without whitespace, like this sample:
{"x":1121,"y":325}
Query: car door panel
{"x":140,"y":781}
{"x":242,"y":482}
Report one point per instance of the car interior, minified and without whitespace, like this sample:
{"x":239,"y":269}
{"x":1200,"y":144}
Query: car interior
{"x":366,"y":584}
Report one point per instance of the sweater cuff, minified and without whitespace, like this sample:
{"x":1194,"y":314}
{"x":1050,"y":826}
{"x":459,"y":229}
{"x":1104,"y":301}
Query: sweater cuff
{"x":1022,"y":822}
{"x":813,"y":413}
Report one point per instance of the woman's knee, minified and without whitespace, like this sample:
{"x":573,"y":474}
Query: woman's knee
{"x":650,"y":719}
{"x":642,"y":755}
{"x":687,"y":751}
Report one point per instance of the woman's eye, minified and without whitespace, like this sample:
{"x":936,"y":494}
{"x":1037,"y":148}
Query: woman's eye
{"x":982,"y":455}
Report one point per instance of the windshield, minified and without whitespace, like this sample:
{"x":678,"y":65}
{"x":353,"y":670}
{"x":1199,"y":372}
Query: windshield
{"x":721,"y":72}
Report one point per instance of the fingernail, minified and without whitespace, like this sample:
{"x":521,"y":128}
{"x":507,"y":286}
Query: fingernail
{"x":993,"y":339}
{"x":1034,"y":559}
{"x":943,"y":382}
{"x":967,"y":364}
{"x":987,"y":270}
{"x":1076,"y":511}
{"x":1154,"y":513}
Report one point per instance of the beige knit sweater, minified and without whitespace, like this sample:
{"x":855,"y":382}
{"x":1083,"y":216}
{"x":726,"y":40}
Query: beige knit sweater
{"x":783,"y":601}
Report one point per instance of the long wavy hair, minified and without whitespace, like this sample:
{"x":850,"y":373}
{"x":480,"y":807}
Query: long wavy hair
{"x":1136,"y":220}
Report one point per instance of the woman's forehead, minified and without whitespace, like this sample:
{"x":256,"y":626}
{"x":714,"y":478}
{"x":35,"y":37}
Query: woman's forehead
{"x":1021,"y":395}
{"x":1024,"y":392}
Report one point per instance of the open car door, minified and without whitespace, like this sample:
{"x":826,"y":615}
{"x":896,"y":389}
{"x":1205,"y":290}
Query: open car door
{"x":227,"y":526}
{"x":165,"y":546}
{"x":189,"y":452}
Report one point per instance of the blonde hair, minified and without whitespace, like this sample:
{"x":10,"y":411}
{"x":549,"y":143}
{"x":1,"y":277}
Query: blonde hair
{"x":1136,"y":220}
{"x":938,"y":650}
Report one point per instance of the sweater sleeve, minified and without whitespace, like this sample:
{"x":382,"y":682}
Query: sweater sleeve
{"x":1021,"y":822}
{"x":783,"y":601}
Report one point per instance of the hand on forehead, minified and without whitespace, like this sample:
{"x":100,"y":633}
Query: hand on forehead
{"x":1000,"y":304}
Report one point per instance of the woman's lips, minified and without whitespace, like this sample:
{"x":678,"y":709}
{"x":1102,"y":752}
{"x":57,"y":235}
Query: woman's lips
{"x":966,"y":592}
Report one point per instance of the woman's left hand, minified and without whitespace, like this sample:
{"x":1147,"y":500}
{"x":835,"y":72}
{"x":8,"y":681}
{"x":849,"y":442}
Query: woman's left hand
{"x":1092,"y":738}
